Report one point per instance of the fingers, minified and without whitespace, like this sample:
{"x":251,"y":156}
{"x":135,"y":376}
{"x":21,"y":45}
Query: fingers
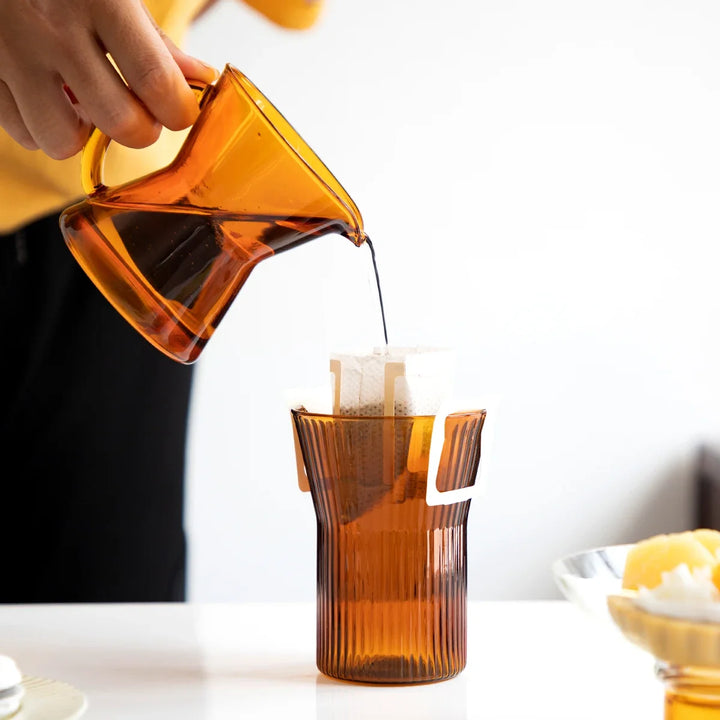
{"x":11,"y":120}
{"x":56,"y":79}
{"x":191,"y":67}
{"x":147,"y":65}
{"x":50,"y":118}
{"x":108,"y":102}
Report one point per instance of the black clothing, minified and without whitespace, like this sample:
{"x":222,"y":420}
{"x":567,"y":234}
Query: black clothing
{"x":93,"y":424}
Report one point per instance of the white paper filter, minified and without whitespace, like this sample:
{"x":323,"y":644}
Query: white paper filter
{"x":392,"y":381}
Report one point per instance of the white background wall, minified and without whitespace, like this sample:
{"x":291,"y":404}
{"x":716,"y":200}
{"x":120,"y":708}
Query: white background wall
{"x":542,"y":183}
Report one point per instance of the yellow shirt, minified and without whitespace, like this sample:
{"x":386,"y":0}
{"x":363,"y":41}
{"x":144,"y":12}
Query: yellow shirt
{"x":33,"y":185}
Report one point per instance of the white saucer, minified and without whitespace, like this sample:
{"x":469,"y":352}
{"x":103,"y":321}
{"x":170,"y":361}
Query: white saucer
{"x":50,"y":700}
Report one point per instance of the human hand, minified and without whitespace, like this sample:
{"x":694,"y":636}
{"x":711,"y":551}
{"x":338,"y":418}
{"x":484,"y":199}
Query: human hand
{"x":56,"y":80}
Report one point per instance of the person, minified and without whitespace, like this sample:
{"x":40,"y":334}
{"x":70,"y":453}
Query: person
{"x":93,"y":420}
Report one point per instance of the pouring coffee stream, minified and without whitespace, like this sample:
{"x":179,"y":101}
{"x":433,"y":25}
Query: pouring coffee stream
{"x":369,"y":243}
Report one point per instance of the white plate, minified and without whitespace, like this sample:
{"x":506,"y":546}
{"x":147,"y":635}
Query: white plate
{"x":50,"y":700}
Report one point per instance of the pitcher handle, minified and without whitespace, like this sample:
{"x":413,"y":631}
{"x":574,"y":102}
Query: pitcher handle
{"x":92,"y":164}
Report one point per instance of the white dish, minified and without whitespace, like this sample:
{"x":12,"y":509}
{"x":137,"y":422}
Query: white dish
{"x":50,"y":700}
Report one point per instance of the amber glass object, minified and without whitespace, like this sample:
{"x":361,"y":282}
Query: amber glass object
{"x":391,"y":569}
{"x":691,"y":693}
{"x":687,"y":657}
{"x":172,"y":249}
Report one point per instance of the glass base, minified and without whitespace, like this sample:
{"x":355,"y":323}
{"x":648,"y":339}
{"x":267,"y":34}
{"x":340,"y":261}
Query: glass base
{"x":691,"y":693}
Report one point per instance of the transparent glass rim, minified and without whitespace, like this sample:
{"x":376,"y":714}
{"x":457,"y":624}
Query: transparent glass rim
{"x":331,"y":416}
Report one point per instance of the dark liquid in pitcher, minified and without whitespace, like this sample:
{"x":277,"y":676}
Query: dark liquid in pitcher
{"x":186,"y":264}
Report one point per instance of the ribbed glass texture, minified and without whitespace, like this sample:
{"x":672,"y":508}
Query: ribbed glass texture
{"x":391,"y":570}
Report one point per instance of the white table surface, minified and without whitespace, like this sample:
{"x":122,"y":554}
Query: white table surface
{"x":196,"y":661}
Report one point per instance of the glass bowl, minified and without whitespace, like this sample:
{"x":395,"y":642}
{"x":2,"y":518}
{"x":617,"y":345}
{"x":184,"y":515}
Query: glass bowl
{"x":686,"y":653}
{"x":588,"y":577}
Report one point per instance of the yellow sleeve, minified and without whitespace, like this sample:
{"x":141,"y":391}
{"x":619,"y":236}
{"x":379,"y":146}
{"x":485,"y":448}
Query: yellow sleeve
{"x":292,"y":14}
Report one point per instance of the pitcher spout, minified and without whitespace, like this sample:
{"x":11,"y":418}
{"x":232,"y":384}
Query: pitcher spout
{"x":356,"y":237}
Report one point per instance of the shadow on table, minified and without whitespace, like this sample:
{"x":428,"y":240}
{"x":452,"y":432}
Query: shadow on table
{"x":336,"y":699}
{"x":268,"y":670}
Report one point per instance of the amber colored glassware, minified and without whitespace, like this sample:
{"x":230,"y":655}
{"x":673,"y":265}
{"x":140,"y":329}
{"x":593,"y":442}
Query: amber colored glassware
{"x":691,"y":693}
{"x":686,"y":652}
{"x":172,"y":249}
{"x":391,"y":569}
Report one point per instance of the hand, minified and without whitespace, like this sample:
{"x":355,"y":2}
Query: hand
{"x":56,"y":80}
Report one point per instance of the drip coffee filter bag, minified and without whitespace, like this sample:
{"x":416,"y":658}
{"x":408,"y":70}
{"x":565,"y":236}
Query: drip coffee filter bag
{"x":391,"y":381}
{"x":378,"y":456}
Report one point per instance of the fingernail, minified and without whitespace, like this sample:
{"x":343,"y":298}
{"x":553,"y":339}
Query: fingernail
{"x":215,"y":72}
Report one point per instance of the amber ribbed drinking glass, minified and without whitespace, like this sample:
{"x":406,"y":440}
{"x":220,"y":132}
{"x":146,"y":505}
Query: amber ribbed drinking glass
{"x":391,"y":570}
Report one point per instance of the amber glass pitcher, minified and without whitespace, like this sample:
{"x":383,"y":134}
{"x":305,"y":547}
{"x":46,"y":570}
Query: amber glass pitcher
{"x":172,"y":249}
